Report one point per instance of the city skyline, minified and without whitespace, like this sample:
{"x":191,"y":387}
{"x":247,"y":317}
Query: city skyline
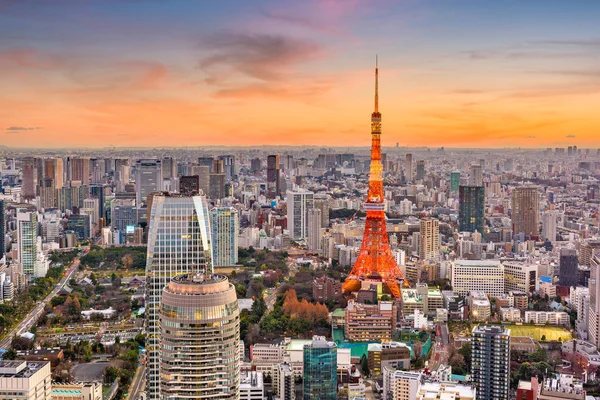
{"x":151,"y":73}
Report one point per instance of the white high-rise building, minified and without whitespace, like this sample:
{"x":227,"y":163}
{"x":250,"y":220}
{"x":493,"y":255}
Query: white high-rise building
{"x":594,"y":308}
{"x":408,"y":168}
{"x":27,"y":232}
{"x":178,"y":243}
{"x":476,"y":175}
{"x":298,"y":204}
{"x":225,"y":228}
{"x":400,"y":385}
{"x":475,"y":275}
{"x":148,"y":179}
{"x":314,"y":229}
{"x":429,"y":244}
{"x":520,"y":276}
{"x":549,"y":224}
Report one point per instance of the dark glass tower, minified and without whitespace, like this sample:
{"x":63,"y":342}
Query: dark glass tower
{"x":490,"y":365}
{"x":471,"y":208}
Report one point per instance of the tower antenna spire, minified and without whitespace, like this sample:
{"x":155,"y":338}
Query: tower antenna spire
{"x":376,"y":83}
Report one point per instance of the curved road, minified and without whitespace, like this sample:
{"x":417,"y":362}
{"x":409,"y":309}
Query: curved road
{"x":37,"y":311}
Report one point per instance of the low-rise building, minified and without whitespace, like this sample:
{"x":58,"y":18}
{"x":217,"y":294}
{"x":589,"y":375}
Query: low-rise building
{"x":251,"y":386}
{"x":550,"y":317}
{"x":480,"y":305}
{"x":21,"y":379}
{"x":395,"y":355}
{"x":510,"y":314}
{"x":563,"y":387}
{"x":370,"y":323}
{"x":81,"y":391}
{"x":522,"y":344}
{"x":399,"y":385}
{"x":326,"y":288}
{"x":106,"y":314}
{"x":445,"y":391}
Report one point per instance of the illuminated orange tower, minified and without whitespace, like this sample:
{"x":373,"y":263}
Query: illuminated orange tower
{"x":375,"y":261}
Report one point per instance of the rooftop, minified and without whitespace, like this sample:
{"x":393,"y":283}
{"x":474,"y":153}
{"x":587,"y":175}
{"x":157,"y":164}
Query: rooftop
{"x":20,"y":368}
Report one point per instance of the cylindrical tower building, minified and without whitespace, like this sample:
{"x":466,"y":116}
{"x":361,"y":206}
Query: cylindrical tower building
{"x":200,"y":336}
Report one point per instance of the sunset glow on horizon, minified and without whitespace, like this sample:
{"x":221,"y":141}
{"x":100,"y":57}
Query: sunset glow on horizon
{"x":193,"y":73}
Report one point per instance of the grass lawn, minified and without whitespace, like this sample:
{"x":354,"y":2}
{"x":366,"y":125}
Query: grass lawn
{"x":536,"y":332}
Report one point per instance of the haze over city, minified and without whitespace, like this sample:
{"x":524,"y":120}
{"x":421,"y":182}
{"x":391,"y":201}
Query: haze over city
{"x":191,"y":73}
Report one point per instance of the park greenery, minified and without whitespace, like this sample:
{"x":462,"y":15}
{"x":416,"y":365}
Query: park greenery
{"x":114,"y":258}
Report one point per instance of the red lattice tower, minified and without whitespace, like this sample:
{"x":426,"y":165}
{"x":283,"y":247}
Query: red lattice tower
{"x":375,"y":261}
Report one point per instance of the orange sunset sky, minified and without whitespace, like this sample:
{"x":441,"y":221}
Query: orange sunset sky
{"x":190,"y":73}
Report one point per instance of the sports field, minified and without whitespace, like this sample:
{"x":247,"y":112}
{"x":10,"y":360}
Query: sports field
{"x":536,"y":332}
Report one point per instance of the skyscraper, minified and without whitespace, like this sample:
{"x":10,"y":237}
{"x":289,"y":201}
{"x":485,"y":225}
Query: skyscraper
{"x":471,"y":208}
{"x":178,"y":243}
{"x":476,"y":175}
{"x":375,"y":260}
{"x":228,"y":167}
{"x":217,"y":180}
{"x":53,"y":169}
{"x":314,"y":229}
{"x":27,"y":233}
{"x":148,"y":179}
{"x":200,"y":337}
{"x":225,"y":228}
{"x":568,"y":274}
{"x":2,"y":229}
{"x":320,"y":370}
{"x":420,"y":170}
{"x":429,"y":248}
{"x":298,"y":204}
{"x":525,"y":210}
{"x":594,"y":308}
{"x":273,"y":188}
{"x":189,"y":185}
{"x":168,"y":168}
{"x":408,"y":168}
{"x":30,"y":178}
{"x":80,"y":170}
{"x":549,"y":224}
{"x":454,"y":181}
{"x":490,"y":364}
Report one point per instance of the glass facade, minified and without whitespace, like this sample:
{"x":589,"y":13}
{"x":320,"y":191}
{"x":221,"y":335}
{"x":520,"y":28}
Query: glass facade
{"x":27,"y":239}
{"x":178,"y":243}
{"x":200,"y":336}
{"x":320,"y":367}
{"x":471,"y":209}
{"x":225,"y":227}
{"x":490,"y":363}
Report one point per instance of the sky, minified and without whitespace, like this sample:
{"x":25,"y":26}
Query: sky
{"x":175,"y":73}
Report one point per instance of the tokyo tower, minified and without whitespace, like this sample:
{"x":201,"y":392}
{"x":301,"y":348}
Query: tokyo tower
{"x":375,"y":261}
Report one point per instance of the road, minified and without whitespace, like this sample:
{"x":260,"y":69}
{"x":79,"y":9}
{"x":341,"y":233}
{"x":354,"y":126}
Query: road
{"x":138,"y":383}
{"x":37,"y":311}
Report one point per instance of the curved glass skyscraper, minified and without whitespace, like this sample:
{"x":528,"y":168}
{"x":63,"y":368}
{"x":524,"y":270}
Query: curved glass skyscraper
{"x":178,"y":243}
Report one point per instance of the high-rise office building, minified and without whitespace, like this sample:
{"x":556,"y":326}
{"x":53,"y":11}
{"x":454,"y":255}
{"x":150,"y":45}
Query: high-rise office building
{"x":124,"y":216}
{"x":97,"y":192}
{"x":80,"y":171}
{"x":471,"y":208}
{"x":549,"y":224}
{"x":200,"y":338}
{"x":2,"y":229}
{"x":478,"y":275}
{"x":320,"y":369}
{"x":314,"y":229}
{"x":80,"y":224}
{"x":298,"y":204}
{"x":27,"y":233}
{"x":476,"y":175}
{"x":520,"y":277}
{"x":526,"y":210}
{"x":273,"y":187}
{"x":148,"y":179}
{"x":189,"y":185}
{"x":323,"y":205}
{"x":420,"y":170}
{"x":178,"y":243}
{"x":97,"y":171}
{"x":454,"y":181}
{"x":169,"y":168}
{"x":30,"y":178}
{"x":206,"y":161}
{"x":53,"y":169}
{"x":228,"y":167}
{"x":490,"y":364}
{"x":408,"y":168}
{"x":568,"y":274}
{"x":594,"y":307}
{"x":225,"y":228}
{"x":255,"y":165}
{"x":429,"y":246}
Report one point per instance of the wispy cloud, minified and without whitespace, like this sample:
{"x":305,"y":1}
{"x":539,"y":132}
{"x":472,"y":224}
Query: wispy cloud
{"x":570,"y":136}
{"x":23,"y":128}
{"x":259,"y":56}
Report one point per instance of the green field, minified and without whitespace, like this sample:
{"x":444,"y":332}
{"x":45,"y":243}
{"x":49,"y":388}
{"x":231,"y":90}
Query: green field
{"x":536,"y":332}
